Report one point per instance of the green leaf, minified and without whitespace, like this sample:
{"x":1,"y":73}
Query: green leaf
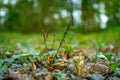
{"x":66,"y":48}
{"x":60,"y":75}
{"x":7,"y":52}
{"x":101,"y":55}
{"x":1,"y":62}
{"x":114,"y":66}
{"x":108,"y":56}
{"x":41,"y":54}
{"x":53,"y":53}
{"x":75,"y":45}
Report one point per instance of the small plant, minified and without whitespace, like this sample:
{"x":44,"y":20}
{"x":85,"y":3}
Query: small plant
{"x":76,"y":63}
{"x":53,"y":53}
{"x":65,"y":33}
{"x":114,"y":66}
{"x":72,"y":47}
{"x":108,"y":56}
{"x":3,"y":67}
{"x":60,"y":75}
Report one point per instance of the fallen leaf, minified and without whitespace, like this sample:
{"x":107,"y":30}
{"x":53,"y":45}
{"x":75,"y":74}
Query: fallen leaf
{"x":49,"y":77}
{"x":49,"y":68}
{"x":13,"y":73}
{"x":108,"y":47}
{"x":41,"y":74}
{"x":33,"y":68}
{"x":59,"y":54}
{"x":82,"y":71}
{"x":84,"y":53}
{"x":17,"y":75}
{"x":50,"y":59}
{"x":59,"y":65}
{"x":98,"y":68}
{"x":67,"y":54}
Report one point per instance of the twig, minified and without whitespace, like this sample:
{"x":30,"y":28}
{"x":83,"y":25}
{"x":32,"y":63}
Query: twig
{"x":53,"y":41}
{"x":45,"y":36}
{"x":67,"y":29}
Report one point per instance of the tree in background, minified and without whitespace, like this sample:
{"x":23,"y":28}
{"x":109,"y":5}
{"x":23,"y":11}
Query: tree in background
{"x":89,"y":13}
{"x":35,"y":15}
{"x":113,"y":12}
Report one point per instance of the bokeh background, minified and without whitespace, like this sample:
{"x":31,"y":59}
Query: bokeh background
{"x":34,"y":15}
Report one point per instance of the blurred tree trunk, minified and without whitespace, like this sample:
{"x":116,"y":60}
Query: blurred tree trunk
{"x":113,"y":12}
{"x":88,"y":16}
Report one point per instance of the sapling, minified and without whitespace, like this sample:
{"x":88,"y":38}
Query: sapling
{"x":65,"y":33}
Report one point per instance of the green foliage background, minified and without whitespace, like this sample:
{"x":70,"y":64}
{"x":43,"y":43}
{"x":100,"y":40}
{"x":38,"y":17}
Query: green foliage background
{"x":35,"y":15}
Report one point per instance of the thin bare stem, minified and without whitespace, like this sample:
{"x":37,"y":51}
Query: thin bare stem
{"x":54,"y":36}
{"x":65,"y":33}
{"x":45,"y":36}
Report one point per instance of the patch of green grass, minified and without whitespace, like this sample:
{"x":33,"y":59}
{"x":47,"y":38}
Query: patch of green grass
{"x":13,"y":40}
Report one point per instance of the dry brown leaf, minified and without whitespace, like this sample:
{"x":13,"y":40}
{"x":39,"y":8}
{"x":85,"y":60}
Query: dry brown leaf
{"x":17,"y":75}
{"x":82,"y":71}
{"x":33,"y":68}
{"x":67,"y":54}
{"x":66,"y":78}
{"x":98,"y":68}
{"x":10,"y":54}
{"x":63,"y":60}
{"x":76,"y":58}
{"x":49,"y":68}
{"x":50,"y":59}
{"x":59,"y":54}
{"x":49,"y":77}
{"x":84,"y":52}
{"x":108,"y":47}
{"x":59,"y":65}
{"x":13,"y":73}
{"x":41,"y":74}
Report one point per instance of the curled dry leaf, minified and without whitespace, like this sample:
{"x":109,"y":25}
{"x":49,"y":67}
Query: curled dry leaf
{"x":59,"y":65}
{"x":10,"y":54}
{"x":13,"y":73}
{"x":98,"y":68}
{"x":33,"y":68}
{"x":63,"y":60}
{"x":40,"y":74}
{"x":50,"y":69}
{"x":66,"y":78}
{"x":17,"y":75}
{"x":67,"y":54}
{"x":84,"y":52}
{"x":49,"y":77}
{"x":108,"y":47}
{"x":59,"y":54}
{"x":82,"y":71}
{"x":75,"y":58}
{"x":50,"y":59}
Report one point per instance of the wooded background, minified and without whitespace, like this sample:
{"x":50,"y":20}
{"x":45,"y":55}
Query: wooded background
{"x":35,"y":15}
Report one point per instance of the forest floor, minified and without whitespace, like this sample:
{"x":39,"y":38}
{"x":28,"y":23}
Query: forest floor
{"x":93,"y":56}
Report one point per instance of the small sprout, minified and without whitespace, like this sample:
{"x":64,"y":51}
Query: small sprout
{"x":53,"y":53}
{"x":114,"y":66}
{"x":65,"y":33}
{"x":108,"y":56}
{"x":60,"y":75}
{"x":75,"y":45}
